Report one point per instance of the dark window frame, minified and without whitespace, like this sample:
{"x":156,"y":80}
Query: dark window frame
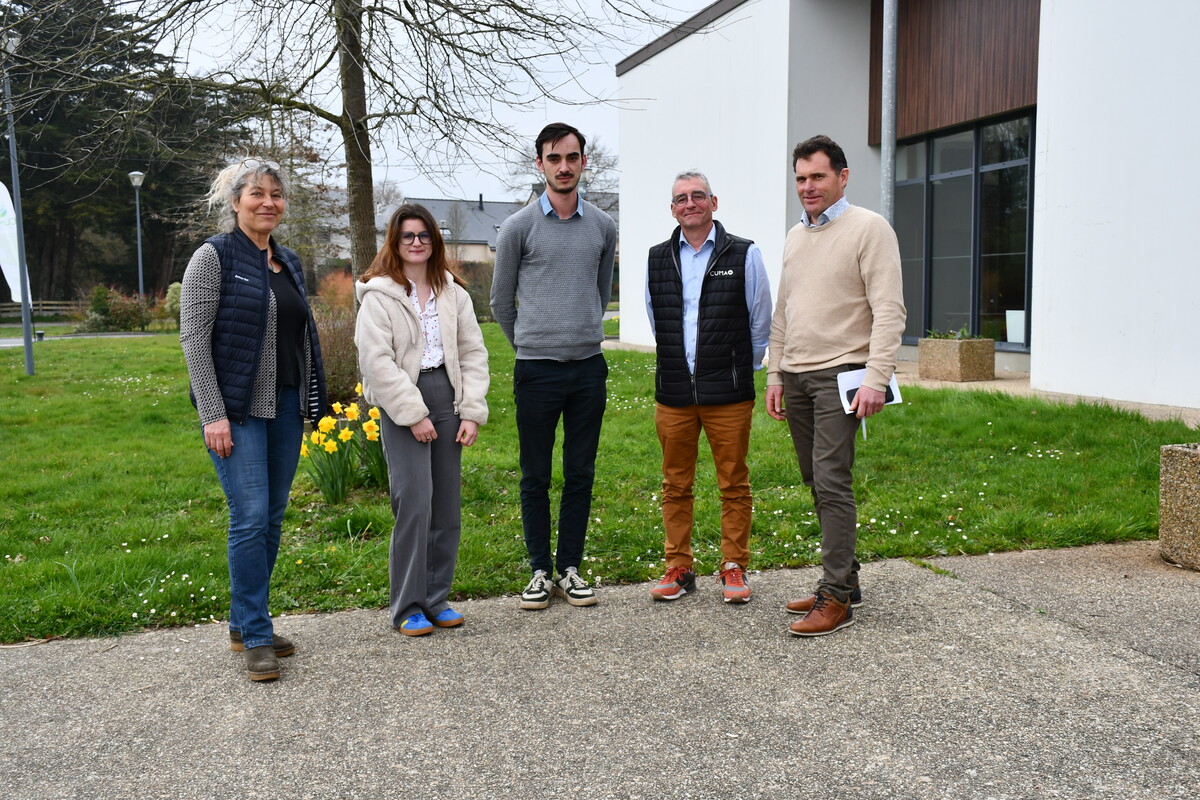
{"x":976,"y":172}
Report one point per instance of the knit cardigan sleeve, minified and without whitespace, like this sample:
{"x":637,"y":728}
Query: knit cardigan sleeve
{"x":198,"y":304}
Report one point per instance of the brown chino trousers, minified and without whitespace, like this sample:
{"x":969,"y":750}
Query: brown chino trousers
{"x":727,"y":428}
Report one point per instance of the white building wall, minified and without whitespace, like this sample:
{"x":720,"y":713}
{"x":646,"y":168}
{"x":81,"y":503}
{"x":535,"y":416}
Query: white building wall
{"x":831,"y":47}
{"x":732,"y":101}
{"x":1115,"y":272}
{"x":715,"y":101}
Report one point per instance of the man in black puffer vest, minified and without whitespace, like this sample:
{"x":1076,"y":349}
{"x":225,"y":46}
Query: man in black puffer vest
{"x":709,"y":304}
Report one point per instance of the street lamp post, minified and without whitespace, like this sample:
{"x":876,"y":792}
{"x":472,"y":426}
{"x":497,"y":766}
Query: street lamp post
{"x":136,"y":179}
{"x":10,"y":45}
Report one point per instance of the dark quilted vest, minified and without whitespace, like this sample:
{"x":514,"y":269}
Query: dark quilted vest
{"x":241,"y":323}
{"x":724,"y":355}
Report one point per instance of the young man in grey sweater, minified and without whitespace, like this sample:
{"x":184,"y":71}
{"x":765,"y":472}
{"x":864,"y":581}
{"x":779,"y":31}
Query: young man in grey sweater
{"x":551,"y":285}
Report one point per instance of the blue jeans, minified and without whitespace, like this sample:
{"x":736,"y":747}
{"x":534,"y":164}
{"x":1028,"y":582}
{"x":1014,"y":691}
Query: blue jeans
{"x":544,"y":391}
{"x":257,"y":477}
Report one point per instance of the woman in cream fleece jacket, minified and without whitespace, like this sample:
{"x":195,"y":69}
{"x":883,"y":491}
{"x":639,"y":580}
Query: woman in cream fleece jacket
{"x":423,"y":363}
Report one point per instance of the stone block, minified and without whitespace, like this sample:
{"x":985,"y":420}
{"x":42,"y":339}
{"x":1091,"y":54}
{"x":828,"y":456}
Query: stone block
{"x":1179,"y":504}
{"x":957,"y":359}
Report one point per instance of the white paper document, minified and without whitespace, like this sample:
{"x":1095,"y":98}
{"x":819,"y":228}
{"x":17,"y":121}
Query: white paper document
{"x":848,"y":383}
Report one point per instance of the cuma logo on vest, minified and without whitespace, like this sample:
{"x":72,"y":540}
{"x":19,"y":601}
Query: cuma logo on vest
{"x":722,"y":273}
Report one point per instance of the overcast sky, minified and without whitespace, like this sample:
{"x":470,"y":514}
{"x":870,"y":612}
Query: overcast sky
{"x":594,"y":120}
{"x":220,"y":43}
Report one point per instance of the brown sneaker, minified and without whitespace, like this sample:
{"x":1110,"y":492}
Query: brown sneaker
{"x":283,"y":645}
{"x":261,"y":664}
{"x":827,"y":615}
{"x":805,"y":604}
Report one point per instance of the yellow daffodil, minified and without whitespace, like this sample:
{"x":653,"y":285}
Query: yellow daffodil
{"x":371,"y":426}
{"x":327,"y":424}
{"x":303,"y":450}
{"x":346,"y":435}
{"x":330,"y":445}
{"x":372,"y":437}
{"x":352,"y":412}
{"x":358,"y":388}
{"x":317,"y":437}
{"x":373,"y":413}
{"x":337,"y":408}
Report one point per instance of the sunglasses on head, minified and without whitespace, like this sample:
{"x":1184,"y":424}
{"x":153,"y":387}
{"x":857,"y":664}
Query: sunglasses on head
{"x":255,"y":163}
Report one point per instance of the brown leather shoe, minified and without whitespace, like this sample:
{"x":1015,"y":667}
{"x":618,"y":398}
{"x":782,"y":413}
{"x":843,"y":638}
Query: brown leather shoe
{"x":261,"y":664}
{"x":283,"y":645}
{"x":827,"y":615}
{"x":805,"y":604}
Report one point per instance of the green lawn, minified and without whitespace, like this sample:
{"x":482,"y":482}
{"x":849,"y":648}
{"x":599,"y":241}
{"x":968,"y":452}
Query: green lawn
{"x":9,"y":330}
{"x":111,"y":517}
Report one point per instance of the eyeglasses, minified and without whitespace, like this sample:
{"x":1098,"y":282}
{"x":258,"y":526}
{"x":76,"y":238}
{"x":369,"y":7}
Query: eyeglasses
{"x":254,"y":163}
{"x":697,"y":198}
{"x":408,"y":236}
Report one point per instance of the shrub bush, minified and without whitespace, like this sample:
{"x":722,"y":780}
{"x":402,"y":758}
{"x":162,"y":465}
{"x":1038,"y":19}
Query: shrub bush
{"x":333,"y":309}
{"x":478,"y":277}
{"x":127,"y":313}
{"x":109,"y":310}
{"x":336,"y":289}
{"x":174,"y":293}
{"x":335,"y":327}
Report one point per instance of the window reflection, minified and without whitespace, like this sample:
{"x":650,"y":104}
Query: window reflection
{"x":969,"y":258}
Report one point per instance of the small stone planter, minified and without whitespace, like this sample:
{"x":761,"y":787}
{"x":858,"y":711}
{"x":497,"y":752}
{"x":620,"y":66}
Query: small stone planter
{"x":1179,"y":504}
{"x":957,"y":359}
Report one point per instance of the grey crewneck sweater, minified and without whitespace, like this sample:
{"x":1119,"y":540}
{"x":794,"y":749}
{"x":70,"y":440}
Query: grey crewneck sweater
{"x":553,"y":280}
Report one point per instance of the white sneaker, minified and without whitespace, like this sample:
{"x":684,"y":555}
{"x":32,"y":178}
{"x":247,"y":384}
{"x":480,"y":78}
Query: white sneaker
{"x":539,"y":591}
{"x":575,"y":589}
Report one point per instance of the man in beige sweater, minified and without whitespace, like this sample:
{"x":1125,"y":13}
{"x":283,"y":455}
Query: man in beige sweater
{"x":840,"y":307}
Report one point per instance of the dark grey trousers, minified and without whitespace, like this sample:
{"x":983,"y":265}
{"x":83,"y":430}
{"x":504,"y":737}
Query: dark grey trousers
{"x":424,"y":479}
{"x":823,"y":435}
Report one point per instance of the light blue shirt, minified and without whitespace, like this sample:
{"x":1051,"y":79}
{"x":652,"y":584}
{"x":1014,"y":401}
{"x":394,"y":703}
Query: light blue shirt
{"x":548,"y":209}
{"x":828,"y":215}
{"x":693,"y":264}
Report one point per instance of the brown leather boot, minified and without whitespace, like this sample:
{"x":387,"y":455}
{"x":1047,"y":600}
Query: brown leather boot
{"x":283,"y":645}
{"x":826,"y":616}
{"x":805,"y":604}
{"x":261,"y":664}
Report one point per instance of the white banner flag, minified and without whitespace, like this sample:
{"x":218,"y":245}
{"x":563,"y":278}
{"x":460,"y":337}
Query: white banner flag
{"x":9,"y":260}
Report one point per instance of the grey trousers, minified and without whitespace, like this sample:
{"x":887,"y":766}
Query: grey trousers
{"x":424,"y":479}
{"x":823,"y":435}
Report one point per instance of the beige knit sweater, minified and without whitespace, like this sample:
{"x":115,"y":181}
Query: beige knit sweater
{"x":840,"y":299}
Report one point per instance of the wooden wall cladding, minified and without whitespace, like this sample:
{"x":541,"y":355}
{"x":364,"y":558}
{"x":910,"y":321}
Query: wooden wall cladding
{"x":956,"y":61}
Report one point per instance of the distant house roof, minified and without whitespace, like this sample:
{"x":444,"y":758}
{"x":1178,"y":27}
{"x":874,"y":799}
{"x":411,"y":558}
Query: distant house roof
{"x":470,"y":221}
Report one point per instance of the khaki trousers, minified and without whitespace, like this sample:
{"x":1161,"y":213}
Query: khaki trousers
{"x":727,"y":428}
{"x":823,"y":436}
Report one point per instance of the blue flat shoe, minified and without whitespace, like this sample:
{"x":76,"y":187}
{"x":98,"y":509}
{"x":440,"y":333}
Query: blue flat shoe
{"x":416,"y":625}
{"x":449,"y":618}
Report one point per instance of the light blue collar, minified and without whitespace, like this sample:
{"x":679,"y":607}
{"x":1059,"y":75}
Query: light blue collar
{"x":548,"y":209}
{"x":828,"y":215}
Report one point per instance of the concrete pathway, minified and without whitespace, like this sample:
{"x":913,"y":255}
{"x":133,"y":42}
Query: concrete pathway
{"x":1048,"y":674}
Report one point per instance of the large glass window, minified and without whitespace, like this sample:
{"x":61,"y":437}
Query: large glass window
{"x":962,"y":218}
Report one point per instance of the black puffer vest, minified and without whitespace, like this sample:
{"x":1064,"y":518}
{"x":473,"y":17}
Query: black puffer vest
{"x":724,"y":354}
{"x":241,"y":324}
